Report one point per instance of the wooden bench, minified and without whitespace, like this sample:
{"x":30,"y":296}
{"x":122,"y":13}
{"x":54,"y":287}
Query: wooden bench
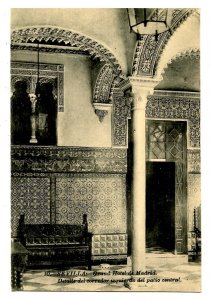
{"x":55,"y":245}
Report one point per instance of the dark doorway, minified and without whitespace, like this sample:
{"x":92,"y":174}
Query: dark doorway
{"x":46,"y":109}
{"x":20,"y":115}
{"x":160,"y":206}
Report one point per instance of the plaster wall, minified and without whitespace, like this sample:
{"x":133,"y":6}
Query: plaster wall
{"x":78,"y":125}
{"x":108,"y":26}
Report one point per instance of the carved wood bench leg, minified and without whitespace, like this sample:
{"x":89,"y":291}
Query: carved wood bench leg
{"x":17,"y":280}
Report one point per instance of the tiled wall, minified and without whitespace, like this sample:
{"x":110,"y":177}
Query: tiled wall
{"x":109,"y":245}
{"x":102,"y":198}
{"x":30,"y":196}
{"x":60,"y":184}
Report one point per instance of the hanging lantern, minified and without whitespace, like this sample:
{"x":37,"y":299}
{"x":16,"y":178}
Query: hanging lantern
{"x":42,"y":121}
{"x":149,"y":21}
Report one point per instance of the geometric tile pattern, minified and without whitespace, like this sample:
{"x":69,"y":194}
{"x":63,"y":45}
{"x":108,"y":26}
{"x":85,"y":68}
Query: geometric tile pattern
{"x":30,"y":196}
{"x":101,"y":197}
{"x":109,"y":244}
{"x":157,"y":141}
{"x":52,"y":199}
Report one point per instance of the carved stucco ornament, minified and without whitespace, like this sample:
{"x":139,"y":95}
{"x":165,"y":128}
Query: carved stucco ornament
{"x":101,"y":94}
{"x":110,"y":73}
{"x":69,"y":38}
{"x":148,"y":51}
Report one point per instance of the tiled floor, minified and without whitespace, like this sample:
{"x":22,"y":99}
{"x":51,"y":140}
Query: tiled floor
{"x":172,"y":274}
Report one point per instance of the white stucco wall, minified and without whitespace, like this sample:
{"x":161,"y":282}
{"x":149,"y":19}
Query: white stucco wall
{"x":78,"y":125}
{"x":108,"y":26}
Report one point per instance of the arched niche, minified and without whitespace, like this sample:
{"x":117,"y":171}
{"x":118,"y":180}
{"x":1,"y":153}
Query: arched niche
{"x":185,"y":41}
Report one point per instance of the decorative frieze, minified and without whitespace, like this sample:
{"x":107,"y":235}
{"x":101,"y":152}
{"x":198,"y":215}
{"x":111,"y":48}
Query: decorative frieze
{"x":48,"y":49}
{"x":16,"y":65}
{"x":60,"y":175}
{"x":52,"y":34}
{"x":68,"y":159}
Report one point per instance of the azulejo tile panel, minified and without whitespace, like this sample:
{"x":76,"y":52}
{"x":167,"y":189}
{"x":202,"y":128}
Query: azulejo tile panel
{"x":30,"y":196}
{"x":102,"y":198}
{"x":109,"y":244}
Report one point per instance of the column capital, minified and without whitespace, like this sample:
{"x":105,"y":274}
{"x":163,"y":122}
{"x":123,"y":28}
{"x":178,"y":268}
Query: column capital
{"x":143,"y":83}
{"x":141,"y":88}
{"x":33,"y":99}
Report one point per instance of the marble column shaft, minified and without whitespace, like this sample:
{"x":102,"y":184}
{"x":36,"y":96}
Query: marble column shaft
{"x":140,"y":93}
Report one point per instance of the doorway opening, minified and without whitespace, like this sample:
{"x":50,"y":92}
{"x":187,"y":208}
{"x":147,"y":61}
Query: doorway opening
{"x":160,"y":207}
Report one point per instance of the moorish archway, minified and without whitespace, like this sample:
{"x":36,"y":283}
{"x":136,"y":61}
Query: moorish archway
{"x":53,"y":39}
{"x":22,"y":37}
{"x":148,"y":52}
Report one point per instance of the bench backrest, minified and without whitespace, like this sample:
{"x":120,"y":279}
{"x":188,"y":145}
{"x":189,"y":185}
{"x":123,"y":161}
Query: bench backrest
{"x":52,"y":234}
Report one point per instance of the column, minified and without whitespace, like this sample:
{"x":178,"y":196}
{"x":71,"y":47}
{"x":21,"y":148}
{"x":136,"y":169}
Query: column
{"x":33,"y":100}
{"x":140,"y":89}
